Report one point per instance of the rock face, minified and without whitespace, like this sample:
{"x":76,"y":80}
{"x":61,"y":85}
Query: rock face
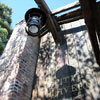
{"x":17,"y":65}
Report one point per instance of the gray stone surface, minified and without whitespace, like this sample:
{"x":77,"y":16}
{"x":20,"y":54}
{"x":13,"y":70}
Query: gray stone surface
{"x":17,"y":65}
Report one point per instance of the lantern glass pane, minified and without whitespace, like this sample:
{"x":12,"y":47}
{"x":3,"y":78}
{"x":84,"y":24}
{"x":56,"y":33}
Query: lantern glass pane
{"x":33,"y":29}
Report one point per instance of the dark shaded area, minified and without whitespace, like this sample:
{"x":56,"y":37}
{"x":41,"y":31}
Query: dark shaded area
{"x":64,"y":75}
{"x":74,"y":30}
{"x":65,"y":71}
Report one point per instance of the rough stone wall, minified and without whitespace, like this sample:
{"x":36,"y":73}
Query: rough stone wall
{"x":66,"y":71}
{"x":45,"y":72}
{"x":17,"y":65}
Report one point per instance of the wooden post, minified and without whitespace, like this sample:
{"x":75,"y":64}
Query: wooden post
{"x":96,"y":17}
{"x":18,"y":65}
{"x":51,"y":21}
{"x":89,"y":15}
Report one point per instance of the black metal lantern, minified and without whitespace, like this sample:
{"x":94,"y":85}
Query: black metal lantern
{"x":35,"y":19}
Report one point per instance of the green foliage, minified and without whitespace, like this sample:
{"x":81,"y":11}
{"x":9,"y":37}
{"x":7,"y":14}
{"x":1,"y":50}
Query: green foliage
{"x":1,"y":47}
{"x":5,"y":22}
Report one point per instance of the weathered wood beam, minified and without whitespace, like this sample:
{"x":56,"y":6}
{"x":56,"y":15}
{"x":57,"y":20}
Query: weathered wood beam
{"x":88,"y":14}
{"x":66,"y":18}
{"x":98,"y":4}
{"x":52,"y":24}
{"x":70,"y":20}
{"x":43,"y":6}
{"x":96,"y":16}
{"x":67,"y":7}
{"x":44,"y":30}
{"x":73,"y":15}
{"x":70,"y":15}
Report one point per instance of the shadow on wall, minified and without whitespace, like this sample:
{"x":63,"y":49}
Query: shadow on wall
{"x":64,"y":76}
{"x":68,"y":82}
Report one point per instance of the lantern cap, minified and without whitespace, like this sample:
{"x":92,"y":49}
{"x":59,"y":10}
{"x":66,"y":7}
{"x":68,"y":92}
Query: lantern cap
{"x":36,"y":12}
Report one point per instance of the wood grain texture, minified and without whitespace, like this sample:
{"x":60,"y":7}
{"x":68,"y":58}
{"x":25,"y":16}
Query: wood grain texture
{"x":67,"y":7}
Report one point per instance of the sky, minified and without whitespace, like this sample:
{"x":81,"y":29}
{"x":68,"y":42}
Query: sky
{"x":19,"y":7}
